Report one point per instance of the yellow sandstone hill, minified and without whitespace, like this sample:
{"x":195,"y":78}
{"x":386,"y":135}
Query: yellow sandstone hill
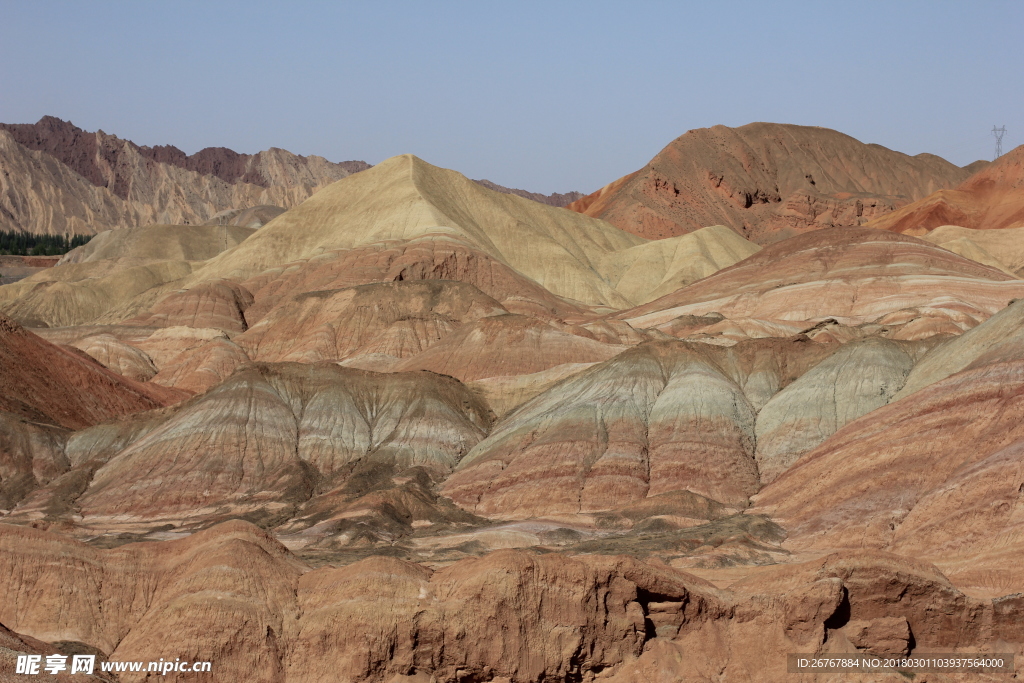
{"x":400,"y":201}
{"x":405,"y":198}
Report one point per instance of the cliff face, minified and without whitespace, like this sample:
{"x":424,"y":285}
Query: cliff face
{"x":767,"y":181}
{"x":107,"y":161}
{"x":59,"y":178}
{"x":513,"y":615}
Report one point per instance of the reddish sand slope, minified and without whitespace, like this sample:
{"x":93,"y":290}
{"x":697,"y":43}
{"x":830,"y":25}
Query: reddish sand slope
{"x":54,"y":385}
{"x":991,"y":199}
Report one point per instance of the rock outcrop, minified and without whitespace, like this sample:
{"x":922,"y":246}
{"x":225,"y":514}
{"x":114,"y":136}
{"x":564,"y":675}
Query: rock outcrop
{"x":858,"y":378}
{"x":98,"y":278}
{"x":415,"y":430}
{"x":510,"y":616}
{"x":52,"y":385}
{"x":412,"y":221}
{"x":405,"y":198}
{"x":393,"y":320}
{"x":767,"y":181}
{"x":507,"y":345}
{"x":949,"y":444}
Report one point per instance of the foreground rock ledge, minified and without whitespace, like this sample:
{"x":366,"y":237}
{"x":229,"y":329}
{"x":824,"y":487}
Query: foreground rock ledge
{"x":509,"y":616}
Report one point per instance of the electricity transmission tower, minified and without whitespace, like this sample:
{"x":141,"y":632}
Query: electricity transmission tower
{"x":999,"y":133}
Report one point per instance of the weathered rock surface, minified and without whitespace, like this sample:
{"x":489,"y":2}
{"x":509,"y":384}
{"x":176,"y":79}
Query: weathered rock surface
{"x":1003,"y":248}
{"x":657,"y":418}
{"x":415,"y":221}
{"x":140,"y":246}
{"x":506,"y":345}
{"x":856,"y":379}
{"x":772,"y":374}
{"x":271,"y":437}
{"x":504,"y":393}
{"x":648,"y":271}
{"x":100,"y":276}
{"x":215,"y":304}
{"x":82,"y":293}
{"x":767,"y":181}
{"x":405,"y":198}
{"x":1001,"y":337}
{"x":46,"y":391}
{"x":426,"y":258}
{"x":124,"y":359}
{"x":394,"y":319}
{"x":949,"y":447}
{"x":191,"y":359}
{"x":510,"y":616}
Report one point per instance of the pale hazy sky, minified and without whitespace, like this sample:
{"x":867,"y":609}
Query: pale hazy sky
{"x":546,"y":96}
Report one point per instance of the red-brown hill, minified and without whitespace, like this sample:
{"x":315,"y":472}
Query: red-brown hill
{"x":991,"y":199}
{"x":767,"y":181}
{"x":50,"y":384}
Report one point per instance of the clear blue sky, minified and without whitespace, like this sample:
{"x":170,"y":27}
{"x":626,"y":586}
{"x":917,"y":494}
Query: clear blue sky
{"x":548,"y":96}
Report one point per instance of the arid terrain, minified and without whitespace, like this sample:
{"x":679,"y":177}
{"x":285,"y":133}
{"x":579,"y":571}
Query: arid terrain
{"x":317,"y":422}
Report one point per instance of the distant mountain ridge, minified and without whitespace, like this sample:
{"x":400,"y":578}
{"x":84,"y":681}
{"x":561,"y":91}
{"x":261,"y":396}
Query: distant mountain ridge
{"x":60,"y":179}
{"x":98,"y":157}
{"x":555,"y":199}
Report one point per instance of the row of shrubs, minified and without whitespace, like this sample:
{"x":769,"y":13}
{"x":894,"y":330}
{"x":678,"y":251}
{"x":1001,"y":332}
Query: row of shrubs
{"x":26,"y":244}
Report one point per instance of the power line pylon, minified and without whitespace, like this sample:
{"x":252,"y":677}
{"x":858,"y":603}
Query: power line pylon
{"x":999,"y":133}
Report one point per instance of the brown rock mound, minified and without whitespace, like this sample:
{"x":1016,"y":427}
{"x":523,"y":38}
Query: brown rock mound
{"x":418,"y":259}
{"x":192,"y":359}
{"x":767,"y":181}
{"x":215,"y":304}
